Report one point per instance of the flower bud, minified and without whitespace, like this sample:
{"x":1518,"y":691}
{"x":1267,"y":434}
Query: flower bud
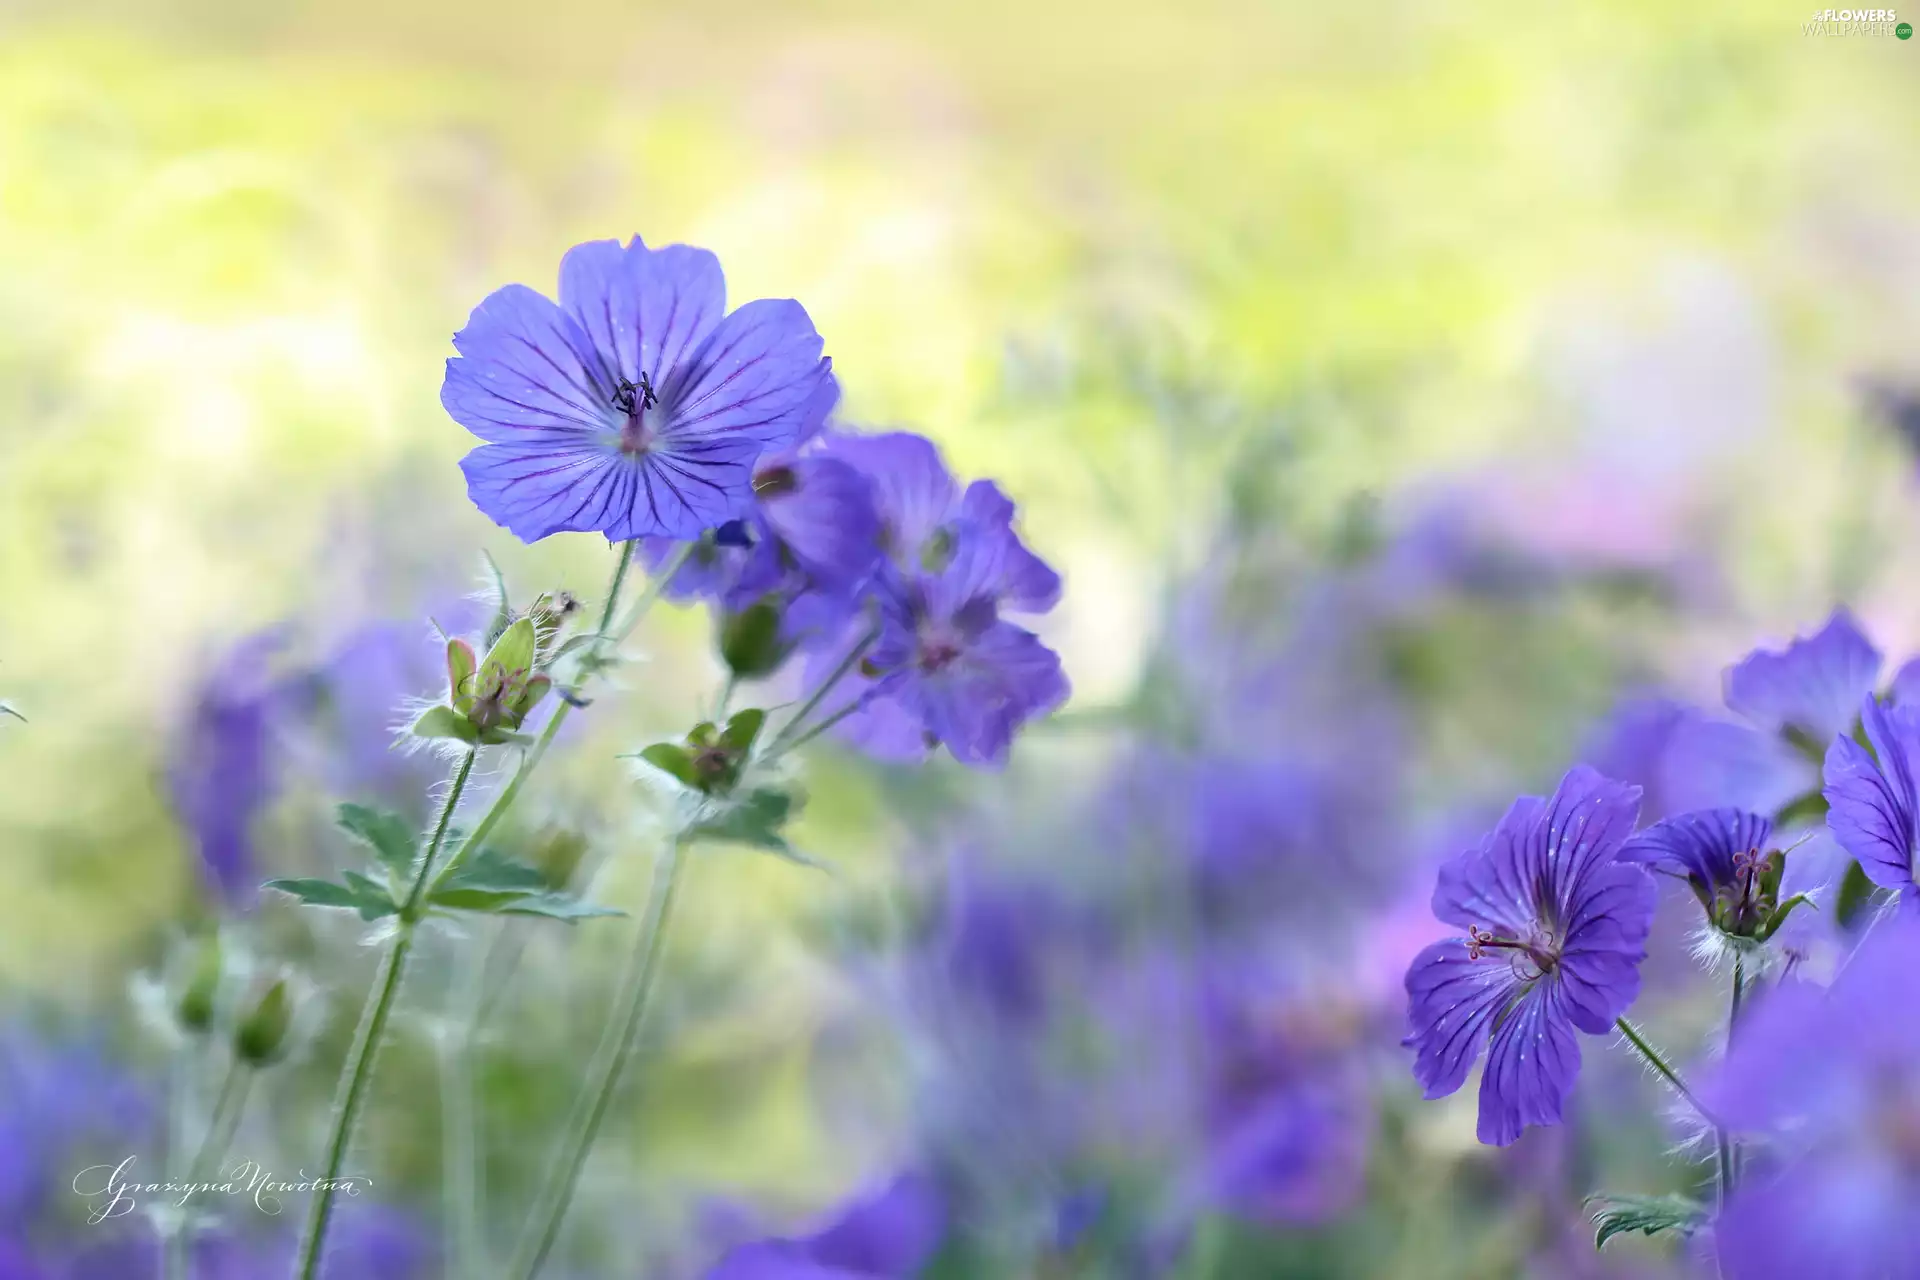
{"x":557,"y":855}
{"x":550,"y":615}
{"x":750,"y":640}
{"x":196,"y":1008}
{"x":261,"y":1038}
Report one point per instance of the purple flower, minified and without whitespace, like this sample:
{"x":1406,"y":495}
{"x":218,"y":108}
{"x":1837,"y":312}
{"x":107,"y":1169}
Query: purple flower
{"x":1871,"y":803}
{"x":1556,"y":930}
{"x":1834,"y":1078}
{"x":889,"y":1234}
{"x":1720,"y":854}
{"x":224,"y":769}
{"x":635,"y":407}
{"x":811,"y":539}
{"x":945,"y":668}
{"x":1789,"y":703}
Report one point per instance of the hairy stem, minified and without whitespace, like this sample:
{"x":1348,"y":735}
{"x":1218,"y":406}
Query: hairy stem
{"x":610,"y":1062}
{"x":357,"y":1073}
{"x":174,"y":1238}
{"x":787,"y":738}
{"x":1722,"y":1140}
{"x":460,"y":1128}
{"x":225,"y":1122}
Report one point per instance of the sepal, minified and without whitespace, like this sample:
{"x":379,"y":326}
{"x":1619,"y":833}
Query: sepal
{"x":1614,"y":1215}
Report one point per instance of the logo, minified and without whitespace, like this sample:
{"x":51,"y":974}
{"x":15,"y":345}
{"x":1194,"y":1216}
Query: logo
{"x":111,"y":1191}
{"x":1856,"y":22}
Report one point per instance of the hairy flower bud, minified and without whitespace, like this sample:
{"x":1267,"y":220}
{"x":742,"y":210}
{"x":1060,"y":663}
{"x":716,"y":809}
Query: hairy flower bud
{"x":261,"y":1038}
{"x":198,"y":1003}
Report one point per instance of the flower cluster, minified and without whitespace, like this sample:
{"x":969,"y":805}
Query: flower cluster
{"x":636,"y":409}
{"x":1811,"y":1112}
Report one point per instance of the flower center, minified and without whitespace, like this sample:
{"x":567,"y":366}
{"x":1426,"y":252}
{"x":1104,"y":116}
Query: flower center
{"x":937,"y":651}
{"x":637,"y":401}
{"x":1532,"y":957}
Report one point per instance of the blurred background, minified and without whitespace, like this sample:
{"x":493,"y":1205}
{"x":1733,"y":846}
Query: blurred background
{"x":1411,"y":395}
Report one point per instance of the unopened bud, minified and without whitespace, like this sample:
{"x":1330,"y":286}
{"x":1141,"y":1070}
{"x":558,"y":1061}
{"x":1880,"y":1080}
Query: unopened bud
{"x":198,"y":1002}
{"x":262,"y":1035}
{"x":750,"y":640}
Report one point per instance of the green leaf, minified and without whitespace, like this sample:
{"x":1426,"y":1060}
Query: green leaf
{"x":755,"y":819}
{"x":743,"y":729}
{"x":673,"y":760}
{"x":390,"y":836}
{"x":1780,"y":914}
{"x":494,"y":872}
{"x":557,"y":906}
{"x":1811,"y":807}
{"x":318,"y":893}
{"x":502,"y":610}
{"x":553,"y":906}
{"x":371,"y":900}
{"x":1649,"y":1215}
{"x":1854,"y":897}
{"x":444,"y":722}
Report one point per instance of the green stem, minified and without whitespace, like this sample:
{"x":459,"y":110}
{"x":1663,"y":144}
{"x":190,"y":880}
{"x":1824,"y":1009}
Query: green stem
{"x":1660,"y":1065}
{"x":783,"y":741}
{"x":1722,"y":1140}
{"x":656,"y":584}
{"x":460,"y":1128}
{"x":226,"y":1120}
{"x":357,"y":1073}
{"x":174,"y":1243}
{"x":796,"y":743}
{"x":610,"y":1062}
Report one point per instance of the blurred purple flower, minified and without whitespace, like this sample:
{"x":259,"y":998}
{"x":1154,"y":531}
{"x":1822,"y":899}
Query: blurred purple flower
{"x":63,"y":1107}
{"x":888,"y":1234}
{"x":1834,"y":1077}
{"x":1286,"y":1116}
{"x":1790,"y":703}
{"x":1556,"y":930}
{"x":812,"y":539}
{"x":1872,"y":807}
{"x":225,"y":767}
{"x":635,"y":407}
{"x":945,"y":668}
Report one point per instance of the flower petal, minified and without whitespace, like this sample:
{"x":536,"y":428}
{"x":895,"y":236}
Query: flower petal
{"x":534,"y":490}
{"x":1452,"y":1000}
{"x":682,"y":494}
{"x":1026,"y":582}
{"x":1494,"y":884}
{"x":1814,"y":685}
{"x":1606,"y":940}
{"x":644,"y":309}
{"x":1005,"y":678}
{"x":1586,"y":822}
{"x":1532,"y":1063}
{"x":526,"y":371}
{"x":1871,"y":803}
{"x":757,"y":377}
{"x":913,"y":490}
{"x":1702,"y":843}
